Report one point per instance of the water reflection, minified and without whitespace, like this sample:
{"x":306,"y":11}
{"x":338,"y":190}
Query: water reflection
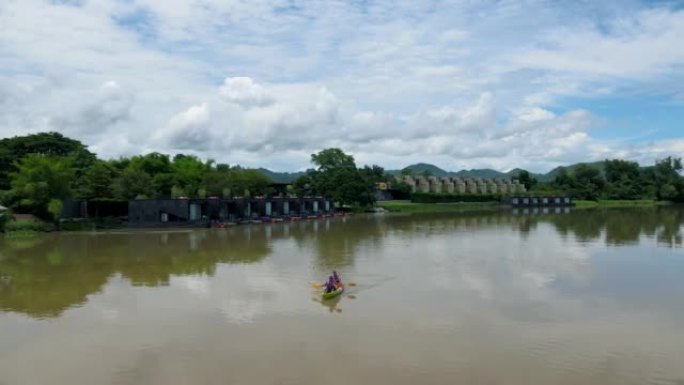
{"x":45,"y":275}
{"x":586,"y":297}
{"x":624,"y":226}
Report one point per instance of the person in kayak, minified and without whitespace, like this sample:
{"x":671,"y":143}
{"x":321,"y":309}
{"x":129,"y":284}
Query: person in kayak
{"x":330,"y":285}
{"x":336,"y":279}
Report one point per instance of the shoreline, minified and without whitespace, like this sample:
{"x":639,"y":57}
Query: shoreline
{"x":406,"y":206}
{"x":610,"y":203}
{"x":410,"y":207}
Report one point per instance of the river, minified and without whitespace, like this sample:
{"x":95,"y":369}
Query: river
{"x":586,"y":297}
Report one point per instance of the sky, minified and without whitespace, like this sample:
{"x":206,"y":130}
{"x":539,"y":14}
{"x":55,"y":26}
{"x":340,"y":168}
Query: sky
{"x":265,"y":83}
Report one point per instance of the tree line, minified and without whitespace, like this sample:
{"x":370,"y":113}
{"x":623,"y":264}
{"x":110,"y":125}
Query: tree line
{"x":39,"y":171}
{"x":616,"y":179}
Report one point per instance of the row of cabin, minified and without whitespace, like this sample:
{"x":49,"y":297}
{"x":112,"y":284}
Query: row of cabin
{"x":456,"y":185}
{"x":150,"y":212}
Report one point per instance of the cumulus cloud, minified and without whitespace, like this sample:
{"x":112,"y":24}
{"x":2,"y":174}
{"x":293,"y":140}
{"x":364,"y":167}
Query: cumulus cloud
{"x":188,"y":130}
{"x":109,"y":106}
{"x":243,"y":91}
{"x":392,"y":83}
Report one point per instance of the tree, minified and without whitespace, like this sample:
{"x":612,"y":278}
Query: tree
{"x":587,"y":182}
{"x":48,"y":144}
{"x":96,"y":182}
{"x":39,"y":179}
{"x":54,"y":207}
{"x":374,"y":174}
{"x":623,"y":179}
{"x":527,"y":180}
{"x":332,"y":158}
{"x":302,"y":185}
{"x":133,"y":184}
{"x":338,"y":178}
{"x":668,"y":179}
{"x":189,"y":171}
{"x":562,"y":179}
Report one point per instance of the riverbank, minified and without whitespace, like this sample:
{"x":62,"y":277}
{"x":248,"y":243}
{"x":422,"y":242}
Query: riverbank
{"x":619,"y":203}
{"x":410,"y":207}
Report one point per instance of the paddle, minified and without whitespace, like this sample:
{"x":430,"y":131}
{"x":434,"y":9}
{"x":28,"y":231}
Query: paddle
{"x":318,"y":285}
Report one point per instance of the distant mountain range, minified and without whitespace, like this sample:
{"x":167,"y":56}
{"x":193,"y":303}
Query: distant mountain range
{"x":281,"y":177}
{"x":419,"y":168}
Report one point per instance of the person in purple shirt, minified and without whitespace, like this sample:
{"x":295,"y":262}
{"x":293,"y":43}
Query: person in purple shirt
{"x":330,"y":285}
{"x":336,"y":278}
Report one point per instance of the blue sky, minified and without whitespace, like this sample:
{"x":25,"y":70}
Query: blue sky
{"x":461,"y":84}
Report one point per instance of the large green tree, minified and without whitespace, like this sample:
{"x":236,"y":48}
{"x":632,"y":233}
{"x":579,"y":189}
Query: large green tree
{"x":38,"y":179}
{"x":96,"y":182}
{"x":133,"y":184}
{"x":587,"y":182}
{"x":337,"y":177}
{"x":623,"y":180}
{"x":527,"y":180}
{"x":668,"y":178}
{"x":48,"y":143}
{"x":189,"y":171}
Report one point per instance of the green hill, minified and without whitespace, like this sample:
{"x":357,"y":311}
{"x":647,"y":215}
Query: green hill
{"x":281,"y":177}
{"x":551,"y":175}
{"x":420,"y":168}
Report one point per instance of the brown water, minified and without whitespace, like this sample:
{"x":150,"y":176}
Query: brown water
{"x":589,"y":297}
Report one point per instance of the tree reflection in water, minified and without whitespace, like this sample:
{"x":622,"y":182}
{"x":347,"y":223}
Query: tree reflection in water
{"x":44,"y":275}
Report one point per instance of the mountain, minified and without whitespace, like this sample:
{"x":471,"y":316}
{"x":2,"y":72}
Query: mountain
{"x":281,"y":177}
{"x":551,"y":175}
{"x":481,"y":173}
{"x":420,"y":168}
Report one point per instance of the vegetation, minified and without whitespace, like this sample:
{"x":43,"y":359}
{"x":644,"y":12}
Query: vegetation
{"x":619,"y":180}
{"x":38,"y":171}
{"x":453,"y":198}
{"x":337,"y":177}
{"x":412,"y":207}
{"x":620,"y":203}
{"x":26,"y":226}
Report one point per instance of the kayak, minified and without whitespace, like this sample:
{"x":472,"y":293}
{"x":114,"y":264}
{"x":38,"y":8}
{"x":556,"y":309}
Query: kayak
{"x":333,"y":293}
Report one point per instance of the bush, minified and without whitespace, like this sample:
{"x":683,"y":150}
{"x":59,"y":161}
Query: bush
{"x":4,"y":218}
{"x":26,"y":226}
{"x":80,"y":224}
{"x":452,"y":198}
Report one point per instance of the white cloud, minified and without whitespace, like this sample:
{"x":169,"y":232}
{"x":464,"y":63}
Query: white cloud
{"x":642,"y":45}
{"x":391,"y":82}
{"x":243,"y":90}
{"x":188,"y":130}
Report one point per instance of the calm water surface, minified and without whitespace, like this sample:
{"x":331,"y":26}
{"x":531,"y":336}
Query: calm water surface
{"x":588,"y":297}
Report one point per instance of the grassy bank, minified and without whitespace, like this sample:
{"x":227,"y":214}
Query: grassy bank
{"x":409,"y":207}
{"x":619,"y":203}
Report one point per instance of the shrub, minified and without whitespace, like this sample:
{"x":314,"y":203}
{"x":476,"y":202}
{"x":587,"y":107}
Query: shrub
{"x":453,"y":198}
{"x":26,"y":226}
